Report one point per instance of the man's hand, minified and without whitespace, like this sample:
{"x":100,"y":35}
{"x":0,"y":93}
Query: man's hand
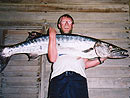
{"x":52,"y":32}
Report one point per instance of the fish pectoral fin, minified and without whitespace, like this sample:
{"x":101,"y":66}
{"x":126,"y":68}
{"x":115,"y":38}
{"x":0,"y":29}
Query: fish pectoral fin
{"x":31,"y":56}
{"x":88,"y":50}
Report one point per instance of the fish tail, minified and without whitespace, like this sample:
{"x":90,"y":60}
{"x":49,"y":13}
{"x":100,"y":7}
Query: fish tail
{"x":3,"y":60}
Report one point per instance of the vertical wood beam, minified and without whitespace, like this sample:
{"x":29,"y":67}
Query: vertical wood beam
{"x":42,"y":76}
{"x":43,"y":61}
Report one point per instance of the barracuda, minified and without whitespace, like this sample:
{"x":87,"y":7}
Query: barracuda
{"x":74,"y":45}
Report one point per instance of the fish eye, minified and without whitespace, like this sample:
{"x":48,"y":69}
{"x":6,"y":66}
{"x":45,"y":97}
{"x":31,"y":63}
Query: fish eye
{"x":110,"y":47}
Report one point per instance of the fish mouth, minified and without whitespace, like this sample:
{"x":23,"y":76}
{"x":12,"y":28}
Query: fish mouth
{"x":119,"y":54}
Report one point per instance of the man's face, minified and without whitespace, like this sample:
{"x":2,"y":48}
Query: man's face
{"x":66,"y":25}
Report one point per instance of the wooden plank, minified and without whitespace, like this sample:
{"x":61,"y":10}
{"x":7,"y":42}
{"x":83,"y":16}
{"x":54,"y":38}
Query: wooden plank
{"x":109,"y":93}
{"x":120,"y":30}
{"x":20,"y":95}
{"x":108,"y":72}
{"x":20,"y":74}
{"x":101,"y":25}
{"x":21,"y":68}
{"x":42,"y":7}
{"x":19,"y":84}
{"x":20,"y":79}
{"x":108,"y":82}
{"x":41,"y":16}
{"x":21,"y":27}
{"x":10,"y":41}
{"x":16,"y":39}
{"x":19,"y":33}
{"x":22,"y":90}
{"x":85,"y":24}
{"x":63,"y":1}
{"x":21,"y":23}
{"x":23,"y":63}
{"x":80,"y":24}
{"x":86,"y":1}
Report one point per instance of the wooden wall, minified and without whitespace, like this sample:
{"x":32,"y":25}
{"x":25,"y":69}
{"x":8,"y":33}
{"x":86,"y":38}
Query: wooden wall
{"x":107,"y":20}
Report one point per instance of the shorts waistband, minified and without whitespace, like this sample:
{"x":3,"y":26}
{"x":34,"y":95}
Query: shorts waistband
{"x":71,"y":74}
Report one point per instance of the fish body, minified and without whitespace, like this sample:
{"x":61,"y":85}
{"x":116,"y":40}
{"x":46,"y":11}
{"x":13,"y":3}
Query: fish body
{"x":74,"y":45}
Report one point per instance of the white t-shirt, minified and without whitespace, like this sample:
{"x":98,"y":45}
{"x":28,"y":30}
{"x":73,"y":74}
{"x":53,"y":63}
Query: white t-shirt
{"x":68,"y":63}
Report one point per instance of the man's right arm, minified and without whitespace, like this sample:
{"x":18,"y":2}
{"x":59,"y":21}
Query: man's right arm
{"x":52,"y":50}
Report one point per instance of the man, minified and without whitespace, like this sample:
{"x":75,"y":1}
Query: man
{"x":68,"y":79}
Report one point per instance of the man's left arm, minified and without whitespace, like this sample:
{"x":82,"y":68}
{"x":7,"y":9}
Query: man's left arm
{"x":92,"y":63}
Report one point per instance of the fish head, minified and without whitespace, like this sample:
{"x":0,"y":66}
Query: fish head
{"x":104,"y":49}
